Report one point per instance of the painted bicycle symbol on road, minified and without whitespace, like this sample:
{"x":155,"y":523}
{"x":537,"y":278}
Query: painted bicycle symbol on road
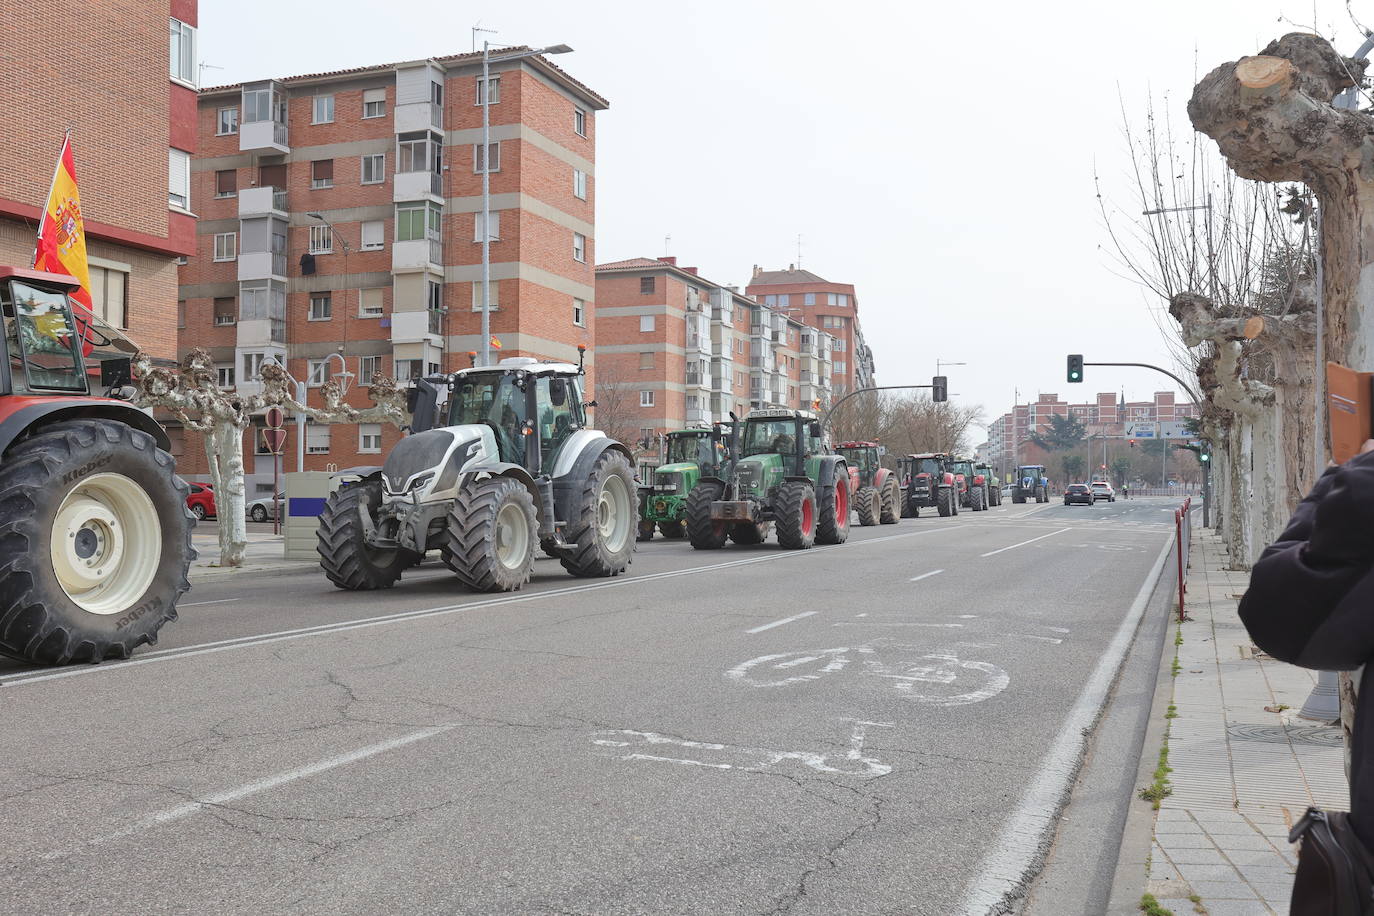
{"x":932,"y":679}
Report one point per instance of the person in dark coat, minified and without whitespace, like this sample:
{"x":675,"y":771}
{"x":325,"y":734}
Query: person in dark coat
{"x":1311,"y":601}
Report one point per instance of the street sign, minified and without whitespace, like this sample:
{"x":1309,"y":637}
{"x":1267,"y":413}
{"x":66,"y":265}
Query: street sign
{"x":1140,"y":431}
{"x":1173,"y":429}
{"x":275,"y":418}
{"x":273,"y":440}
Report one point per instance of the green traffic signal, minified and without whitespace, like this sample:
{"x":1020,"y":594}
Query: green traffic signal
{"x":1075,"y":367}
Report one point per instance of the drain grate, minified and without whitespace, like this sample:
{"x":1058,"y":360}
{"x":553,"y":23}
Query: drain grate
{"x":1320,"y":735}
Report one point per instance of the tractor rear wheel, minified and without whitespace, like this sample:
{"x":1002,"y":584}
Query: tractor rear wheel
{"x":795,"y":505}
{"x":1041,"y":496}
{"x":748,"y":533}
{"x":672,"y":530}
{"x":600,"y":530}
{"x":887,"y":514}
{"x":491,"y":533}
{"x":867,"y":503}
{"x":95,"y":542}
{"x":832,"y":512}
{"x":977,"y":499}
{"x":347,"y":560}
{"x":705,"y":533}
{"x":945,"y":502}
{"x":646,"y":530}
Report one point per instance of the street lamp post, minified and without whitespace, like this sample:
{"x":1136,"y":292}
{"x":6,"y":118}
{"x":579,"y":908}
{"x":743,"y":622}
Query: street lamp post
{"x":487,"y":61}
{"x":941,"y":362}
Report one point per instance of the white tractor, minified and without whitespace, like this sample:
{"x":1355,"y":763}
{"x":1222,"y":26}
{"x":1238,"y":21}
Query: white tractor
{"x":513,"y":469}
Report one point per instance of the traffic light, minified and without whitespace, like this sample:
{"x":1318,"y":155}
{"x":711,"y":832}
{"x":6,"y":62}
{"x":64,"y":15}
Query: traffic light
{"x":1132,"y":443}
{"x":1204,"y":457}
{"x":939,"y":389}
{"x":1075,"y":367}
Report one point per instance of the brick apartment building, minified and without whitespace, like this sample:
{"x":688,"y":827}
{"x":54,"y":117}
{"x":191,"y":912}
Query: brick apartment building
{"x":689,"y":351}
{"x":340,"y":213}
{"x":832,"y":307}
{"x":124,"y":82}
{"x":1108,"y":415}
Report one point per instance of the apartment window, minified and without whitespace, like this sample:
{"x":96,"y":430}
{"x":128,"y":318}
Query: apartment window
{"x":374,"y":168}
{"x":374,"y":103}
{"x":323,"y":110}
{"x":419,"y":152}
{"x":109,"y":289}
{"x":369,"y":367}
{"x":832,"y":321}
{"x":579,"y":184}
{"x":646,"y":435}
{"x":843,"y":299}
{"x":493,"y":92}
{"x":226,"y":183}
{"x":646,"y":360}
{"x":841,"y":367}
{"x":436,"y":296}
{"x":179,"y":179}
{"x":319,"y":372}
{"x":182,"y":56}
{"x":252,"y":365}
{"x":370,"y":302}
{"x":580,"y":313}
{"x":646,"y":323}
{"x":317,"y":439}
{"x":415,"y":221}
{"x":810,"y":299}
{"x":407,"y":369}
{"x":739,"y":345}
{"x":479,"y":159}
{"x":321,"y":306}
{"x":646,"y":399}
{"x":784,"y":300}
{"x":579,"y":247}
{"x":436,"y":93}
{"x":225,"y":311}
{"x":770,"y":301}
{"x":839,"y":344}
{"x":370,"y":438}
{"x":227,"y":121}
{"x":646,"y":286}
{"x":224,"y":375}
{"x":495,"y":227}
{"x":322,"y":173}
{"x":321,"y":240}
{"x":226,"y":246}
{"x":580,"y":122}
{"x":477,"y":295}
{"x":373,"y":235}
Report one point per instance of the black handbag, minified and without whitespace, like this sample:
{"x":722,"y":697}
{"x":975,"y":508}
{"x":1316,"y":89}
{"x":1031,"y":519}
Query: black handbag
{"x":1335,"y":870}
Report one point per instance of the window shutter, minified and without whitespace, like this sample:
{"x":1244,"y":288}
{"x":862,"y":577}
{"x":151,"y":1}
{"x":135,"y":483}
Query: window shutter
{"x":374,"y":234}
{"x":374,"y":95}
{"x":317,"y":436}
{"x":179,"y":177}
{"x":323,"y":169}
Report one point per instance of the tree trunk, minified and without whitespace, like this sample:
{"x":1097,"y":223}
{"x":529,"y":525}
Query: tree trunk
{"x":224,"y":448}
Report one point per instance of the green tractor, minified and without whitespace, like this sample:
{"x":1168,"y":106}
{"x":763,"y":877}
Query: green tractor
{"x":686,"y":455}
{"x":990,"y":483}
{"x":779,"y":473}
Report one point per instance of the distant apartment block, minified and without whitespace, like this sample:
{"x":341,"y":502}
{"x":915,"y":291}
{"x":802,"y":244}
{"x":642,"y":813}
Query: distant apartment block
{"x":692,"y":351}
{"x":341,"y":213}
{"x":832,"y":307}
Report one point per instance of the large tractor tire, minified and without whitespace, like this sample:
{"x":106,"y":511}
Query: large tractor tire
{"x":602,"y":528}
{"x":749,"y":533}
{"x":946,"y":502}
{"x":646,"y":531}
{"x":1041,"y":496}
{"x":908,"y":510}
{"x":867,"y":505}
{"x":490,"y":537}
{"x":704,"y":532}
{"x":95,"y":543}
{"x":977,"y":499}
{"x":832,"y":513}
{"x":345,"y":557}
{"x":796,"y":512}
{"x":672,"y":530}
{"x":891,"y":496}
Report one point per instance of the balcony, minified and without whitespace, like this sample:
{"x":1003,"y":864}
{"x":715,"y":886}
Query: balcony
{"x":414,"y":327}
{"x":417,"y":116}
{"x":698,"y":416}
{"x":261,"y":265}
{"x":265,"y":201}
{"x":417,"y":186}
{"x":262,"y":136}
{"x":417,"y":254}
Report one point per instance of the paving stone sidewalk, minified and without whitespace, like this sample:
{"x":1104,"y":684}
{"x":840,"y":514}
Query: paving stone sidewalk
{"x":264,"y":553}
{"x":1245,"y":767}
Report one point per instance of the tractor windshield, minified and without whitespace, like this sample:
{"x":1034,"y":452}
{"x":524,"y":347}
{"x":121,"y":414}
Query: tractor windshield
{"x":763,"y":437}
{"x":492,"y":399}
{"x":962,"y":467}
{"x":928,"y":466}
{"x":861,"y":458}
{"x":41,"y":338}
{"x":694,"y":449}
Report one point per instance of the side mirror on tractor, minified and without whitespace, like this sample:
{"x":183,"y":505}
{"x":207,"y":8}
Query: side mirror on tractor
{"x":815,"y":429}
{"x":558,"y":392}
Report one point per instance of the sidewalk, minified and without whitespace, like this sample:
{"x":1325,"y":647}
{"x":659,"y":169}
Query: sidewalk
{"x":1242,"y":773}
{"x":263,"y":554}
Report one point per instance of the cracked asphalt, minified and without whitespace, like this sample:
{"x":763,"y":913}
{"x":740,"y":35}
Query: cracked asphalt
{"x":585,"y":747}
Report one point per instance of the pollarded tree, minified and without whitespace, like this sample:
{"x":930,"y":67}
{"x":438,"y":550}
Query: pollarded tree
{"x":1065,"y":432}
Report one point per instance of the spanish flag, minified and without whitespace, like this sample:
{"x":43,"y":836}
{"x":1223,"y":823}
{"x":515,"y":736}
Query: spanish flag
{"x":62,"y":238}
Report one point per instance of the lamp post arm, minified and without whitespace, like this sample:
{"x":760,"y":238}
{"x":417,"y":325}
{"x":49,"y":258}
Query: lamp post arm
{"x":857,"y":391}
{"x":1181,"y":383}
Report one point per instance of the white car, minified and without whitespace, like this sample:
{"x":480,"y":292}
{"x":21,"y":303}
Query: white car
{"x":265,"y":509}
{"x":1102,"y":490}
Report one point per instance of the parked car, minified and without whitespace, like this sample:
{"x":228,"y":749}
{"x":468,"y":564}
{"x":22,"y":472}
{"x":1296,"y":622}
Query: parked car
{"x":201,"y":501}
{"x":1102,"y":490}
{"x":265,"y":509}
{"x":1078,"y":493}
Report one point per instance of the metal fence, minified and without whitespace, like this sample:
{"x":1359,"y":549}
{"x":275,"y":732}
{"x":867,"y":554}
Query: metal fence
{"x":1183,"y":528}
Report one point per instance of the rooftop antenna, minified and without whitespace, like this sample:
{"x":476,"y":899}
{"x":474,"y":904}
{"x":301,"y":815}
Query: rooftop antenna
{"x":203,"y":67}
{"x":478,"y":28}
{"x":667,"y":240}
{"x":799,"y":250}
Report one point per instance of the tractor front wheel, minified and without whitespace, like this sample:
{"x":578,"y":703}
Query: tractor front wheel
{"x":95,"y":543}
{"x":600,"y":530}
{"x":976,"y":499}
{"x":887,"y":513}
{"x":867,"y":503}
{"x":945,"y":502}
{"x":646,"y":530}
{"x":796,"y":512}
{"x":346,"y":558}
{"x":704,"y":532}
{"x":672,"y":530}
{"x":1041,"y":496}
{"x":489,"y":542}
{"x":832,"y":513}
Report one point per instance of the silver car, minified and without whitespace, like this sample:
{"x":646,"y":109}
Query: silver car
{"x":265,"y":509}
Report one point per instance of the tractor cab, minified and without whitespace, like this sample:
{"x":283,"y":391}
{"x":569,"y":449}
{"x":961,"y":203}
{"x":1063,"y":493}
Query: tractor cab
{"x":863,"y":457}
{"x":532,"y":409}
{"x":687,"y":455}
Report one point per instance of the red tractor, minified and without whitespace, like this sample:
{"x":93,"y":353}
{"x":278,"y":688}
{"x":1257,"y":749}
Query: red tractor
{"x":929,"y":479}
{"x":95,"y":537}
{"x":877,"y":498}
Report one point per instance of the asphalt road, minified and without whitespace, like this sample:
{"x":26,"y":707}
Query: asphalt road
{"x":876,"y":727}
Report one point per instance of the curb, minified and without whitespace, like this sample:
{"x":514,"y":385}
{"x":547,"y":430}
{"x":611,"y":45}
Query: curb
{"x":208,"y":574}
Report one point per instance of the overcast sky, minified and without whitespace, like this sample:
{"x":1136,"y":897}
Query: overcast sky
{"x":940,"y":159}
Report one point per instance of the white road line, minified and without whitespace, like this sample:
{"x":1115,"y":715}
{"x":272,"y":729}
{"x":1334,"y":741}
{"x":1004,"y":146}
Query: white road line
{"x":159,"y":818}
{"x":778,"y":623}
{"x":203,"y":603}
{"x":243,"y":642}
{"x":933,"y":572}
{"x":1050,"y":639}
{"x":1024,"y":543}
{"x":1018,"y":848}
